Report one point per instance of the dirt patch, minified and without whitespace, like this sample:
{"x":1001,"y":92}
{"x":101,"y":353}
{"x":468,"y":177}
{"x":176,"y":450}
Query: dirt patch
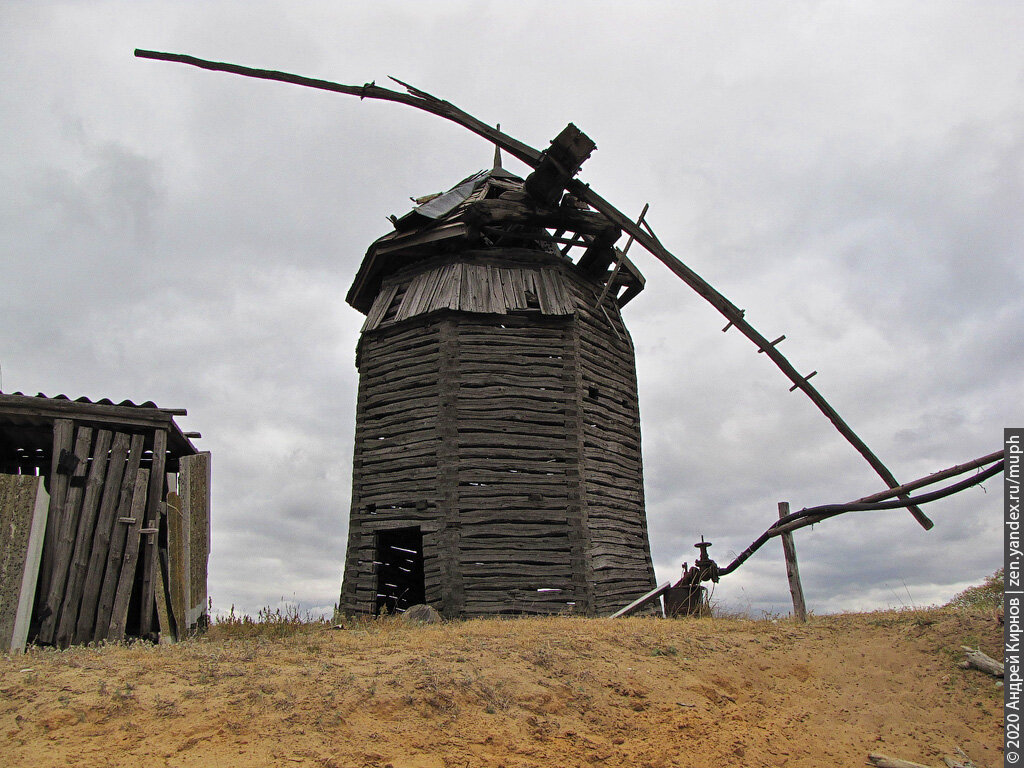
{"x":518,"y":693}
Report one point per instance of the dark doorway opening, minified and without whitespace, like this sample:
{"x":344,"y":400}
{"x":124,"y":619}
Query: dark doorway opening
{"x":399,"y":563}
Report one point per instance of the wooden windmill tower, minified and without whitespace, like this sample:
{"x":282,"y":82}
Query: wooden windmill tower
{"x":497,"y":462}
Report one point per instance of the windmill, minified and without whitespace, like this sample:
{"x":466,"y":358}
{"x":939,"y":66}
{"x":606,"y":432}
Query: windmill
{"x":553,"y":183}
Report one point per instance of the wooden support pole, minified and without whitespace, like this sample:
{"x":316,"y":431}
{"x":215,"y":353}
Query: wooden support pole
{"x":453,"y":597}
{"x":792,"y":571}
{"x":177,"y":562}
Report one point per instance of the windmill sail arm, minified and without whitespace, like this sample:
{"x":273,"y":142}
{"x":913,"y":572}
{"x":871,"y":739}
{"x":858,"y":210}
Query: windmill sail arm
{"x":414,"y":98}
{"x":419,"y":99}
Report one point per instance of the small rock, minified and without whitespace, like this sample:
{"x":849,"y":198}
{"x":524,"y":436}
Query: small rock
{"x":424,"y":614}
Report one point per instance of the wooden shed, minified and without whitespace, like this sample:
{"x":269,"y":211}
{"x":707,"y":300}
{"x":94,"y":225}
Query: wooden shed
{"x":126,"y":520}
{"x":497,"y":463}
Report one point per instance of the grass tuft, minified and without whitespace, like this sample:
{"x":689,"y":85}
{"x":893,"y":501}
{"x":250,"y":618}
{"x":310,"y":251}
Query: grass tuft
{"x":986,"y":596}
{"x":268,"y":623}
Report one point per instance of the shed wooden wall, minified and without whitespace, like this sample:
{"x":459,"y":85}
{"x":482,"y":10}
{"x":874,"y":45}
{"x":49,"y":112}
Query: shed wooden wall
{"x":108,"y":543}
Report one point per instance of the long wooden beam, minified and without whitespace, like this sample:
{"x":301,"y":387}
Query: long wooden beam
{"x":736,"y":318}
{"x":414,"y":98}
{"x":423,"y":100}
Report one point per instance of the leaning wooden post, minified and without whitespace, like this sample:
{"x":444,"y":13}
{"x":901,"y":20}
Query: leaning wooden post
{"x":792,"y":571}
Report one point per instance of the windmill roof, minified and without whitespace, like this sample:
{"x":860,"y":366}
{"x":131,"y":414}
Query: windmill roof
{"x":487,"y":208}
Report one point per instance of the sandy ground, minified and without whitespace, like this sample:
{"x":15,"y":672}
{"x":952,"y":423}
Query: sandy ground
{"x":529,"y":692}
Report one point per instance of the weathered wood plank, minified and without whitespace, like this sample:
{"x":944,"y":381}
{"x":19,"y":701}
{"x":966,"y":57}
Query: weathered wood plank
{"x":538,"y":371}
{"x":529,"y":585}
{"x":100,"y":549}
{"x":539,"y":411}
{"x":165,"y":626}
{"x":386,"y":421}
{"x":380,"y":307}
{"x":63,"y":439}
{"x":471,"y":436}
{"x":421,"y":409}
{"x":149,"y":542}
{"x":403,"y":385}
{"x":388,"y":350}
{"x":177,"y":570}
{"x":129,"y":564}
{"x":618,"y":563}
{"x":112,"y":571}
{"x":510,"y":430}
{"x":526,"y":394}
{"x":64,"y":547}
{"x":479,"y":550}
{"x":513,"y":509}
{"x":388,"y":446}
{"x":519,"y":571}
{"x":197,"y":472}
{"x":407,"y":467}
{"x":484,"y":528}
{"x":417,"y":365}
{"x":420,"y":464}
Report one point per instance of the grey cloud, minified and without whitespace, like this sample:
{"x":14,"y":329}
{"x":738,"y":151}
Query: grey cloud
{"x":850,"y":177}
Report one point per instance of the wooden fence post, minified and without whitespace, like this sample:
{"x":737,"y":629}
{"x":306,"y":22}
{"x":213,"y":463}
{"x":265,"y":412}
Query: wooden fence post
{"x":792,"y":571}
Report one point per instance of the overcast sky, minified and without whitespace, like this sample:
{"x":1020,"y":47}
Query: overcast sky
{"x":850,"y":173}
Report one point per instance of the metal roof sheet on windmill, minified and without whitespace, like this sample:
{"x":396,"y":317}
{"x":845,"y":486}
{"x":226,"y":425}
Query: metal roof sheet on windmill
{"x":443,"y":204}
{"x":429,"y":223}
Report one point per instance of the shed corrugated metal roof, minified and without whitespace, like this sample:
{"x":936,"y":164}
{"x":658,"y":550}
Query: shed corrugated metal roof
{"x":32,"y":412}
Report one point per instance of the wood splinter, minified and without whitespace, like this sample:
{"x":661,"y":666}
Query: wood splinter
{"x":730,"y":324}
{"x":773,"y":343}
{"x":807,"y":378}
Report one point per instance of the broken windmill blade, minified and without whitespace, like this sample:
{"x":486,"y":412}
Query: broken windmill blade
{"x":809,"y":517}
{"x":705,"y":569}
{"x":554,"y":170}
{"x":876,"y":502}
